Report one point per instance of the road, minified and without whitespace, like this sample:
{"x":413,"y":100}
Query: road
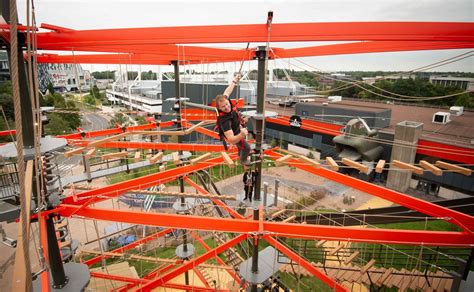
{"x":94,"y":122}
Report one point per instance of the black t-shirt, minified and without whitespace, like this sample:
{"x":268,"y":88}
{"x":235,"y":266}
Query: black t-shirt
{"x":230,"y":121}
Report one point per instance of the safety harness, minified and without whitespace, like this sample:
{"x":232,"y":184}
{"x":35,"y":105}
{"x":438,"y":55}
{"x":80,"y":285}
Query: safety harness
{"x":223,"y":117}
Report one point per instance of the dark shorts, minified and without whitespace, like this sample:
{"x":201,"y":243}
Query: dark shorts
{"x":244,"y":151}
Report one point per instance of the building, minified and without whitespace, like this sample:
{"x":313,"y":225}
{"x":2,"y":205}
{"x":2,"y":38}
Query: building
{"x":460,"y":82}
{"x":64,"y":77}
{"x":322,"y":129}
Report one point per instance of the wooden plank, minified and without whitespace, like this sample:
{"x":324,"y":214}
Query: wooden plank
{"x":137,"y":156}
{"x":70,"y":153}
{"x":428,"y":166}
{"x":200,"y":124}
{"x":453,"y":167}
{"x":278,"y":213}
{"x":64,"y":243}
{"x":385,"y":276}
{"x":90,"y":153}
{"x":380,"y":166}
{"x":283,"y":159}
{"x":108,"y":139}
{"x":114,"y":155}
{"x":310,"y":161}
{"x":176,"y":159}
{"x":335,"y":250}
{"x":155,"y":158}
{"x":320,"y":243}
{"x":407,"y":166}
{"x":201,"y":158}
{"x":227,"y":159}
{"x":367,"y":266}
{"x":19,"y":270}
{"x":359,"y":166}
{"x":351,"y":257}
{"x":291,"y":218}
{"x":332,"y":164}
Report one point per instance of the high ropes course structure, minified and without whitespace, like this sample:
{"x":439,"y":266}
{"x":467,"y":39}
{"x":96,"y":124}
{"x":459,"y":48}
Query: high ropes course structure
{"x":252,"y":246}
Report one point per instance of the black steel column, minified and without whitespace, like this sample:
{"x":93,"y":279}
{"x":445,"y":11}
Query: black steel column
{"x":255,"y":251}
{"x":55,"y":261}
{"x":261,"y":55}
{"x":26,"y":106}
{"x":177,"y":88}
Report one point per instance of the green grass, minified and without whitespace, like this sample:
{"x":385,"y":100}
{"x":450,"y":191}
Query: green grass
{"x":303,"y":284}
{"x":438,"y":225}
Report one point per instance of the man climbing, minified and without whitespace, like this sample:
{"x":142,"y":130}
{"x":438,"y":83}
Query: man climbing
{"x":230,"y":124}
{"x":249,"y":180}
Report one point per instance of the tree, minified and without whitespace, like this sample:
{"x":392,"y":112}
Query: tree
{"x":50,"y":88}
{"x":56,"y":126}
{"x":118,"y":118}
{"x":463,"y":100}
{"x":89,"y":99}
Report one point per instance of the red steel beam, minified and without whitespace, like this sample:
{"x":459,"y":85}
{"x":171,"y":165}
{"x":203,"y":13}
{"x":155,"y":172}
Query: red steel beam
{"x":143,"y":59}
{"x":186,"y":266}
{"x":130,"y":246}
{"x":444,"y":151}
{"x":335,"y":286}
{"x":169,"y":52}
{"x":243,"y":33}
{"x":218,"y":259}
{"x":107,"y":132}
{"x":119,"y":278}
{"x":458,"y":218}
{"x":201,"y":277}
{"x":368,"y":47}
{"x":307,"y":231}
{"x":149,"y":276}
{"x":215,"y":201}
{"x":117,"y":189}
{"x":154,"y":146}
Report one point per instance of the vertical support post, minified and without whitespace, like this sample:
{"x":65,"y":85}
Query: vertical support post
{"x":87,"y":167}
{"x":275,"y":199}
{"x":261,"y":55}
{"x":265,"y":194}
{"x":255,"y":251}
{"x":55,"y":261}
{"x":177,"y":88}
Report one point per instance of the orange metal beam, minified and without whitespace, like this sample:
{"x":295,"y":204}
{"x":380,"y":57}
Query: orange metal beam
{"x":218,"y":259}
{"x":155,"y":146}
{"x":243,"y":33}
{"x":305,"y":264}
{"x":369,"y":47}
{"x":307,"y":231}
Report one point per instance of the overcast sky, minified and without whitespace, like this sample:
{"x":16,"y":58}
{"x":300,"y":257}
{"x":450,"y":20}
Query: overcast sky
{"x":117,"y":14}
